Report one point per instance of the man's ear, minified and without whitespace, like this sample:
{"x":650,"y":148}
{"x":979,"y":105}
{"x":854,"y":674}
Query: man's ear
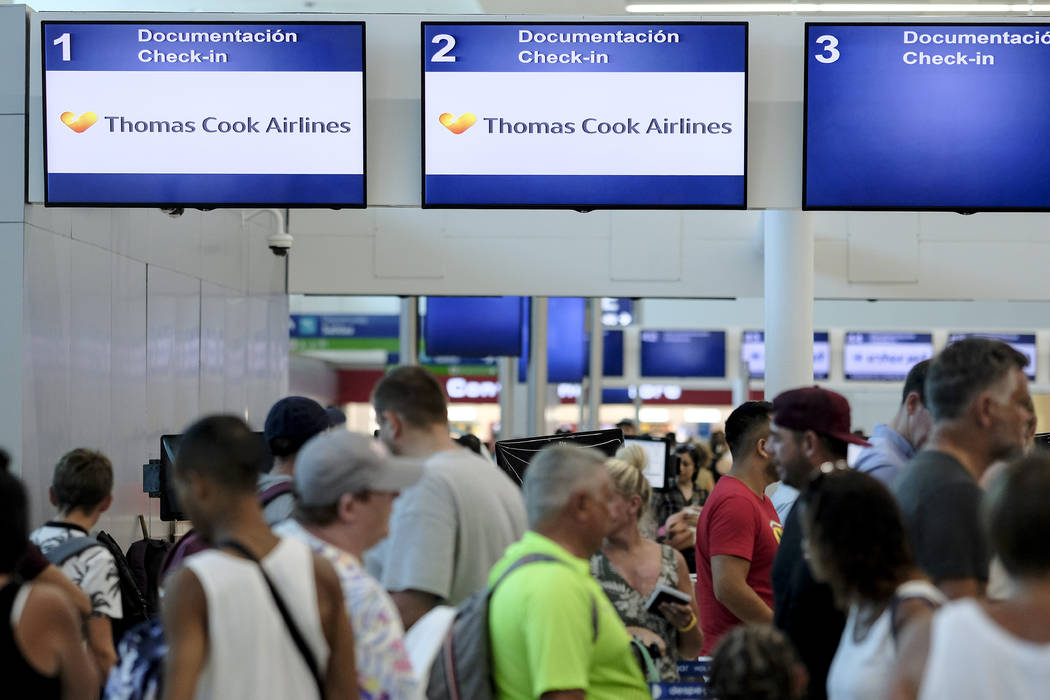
{"x":808,"y":443}
{"x":106,"y":503}
{"x":577,"y":505}
{"x":983,"y":409}
{"x":346,"y":508}
{"x":397,"y":426}
{"x":761,"y":448}
{"x":913,"y":404}
{"x":51,"y":496}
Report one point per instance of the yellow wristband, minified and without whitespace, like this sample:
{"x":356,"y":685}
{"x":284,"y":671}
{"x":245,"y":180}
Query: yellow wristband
{"x":691,"y":625}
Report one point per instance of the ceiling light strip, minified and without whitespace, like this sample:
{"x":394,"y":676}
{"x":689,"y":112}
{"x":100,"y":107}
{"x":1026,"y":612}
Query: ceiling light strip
{"x":843,"y":7}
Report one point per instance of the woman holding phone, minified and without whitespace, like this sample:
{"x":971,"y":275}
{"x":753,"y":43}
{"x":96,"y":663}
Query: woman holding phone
{"x":630,"y":568}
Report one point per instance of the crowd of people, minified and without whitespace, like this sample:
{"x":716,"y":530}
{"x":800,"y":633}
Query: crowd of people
{"x":920,"y":571}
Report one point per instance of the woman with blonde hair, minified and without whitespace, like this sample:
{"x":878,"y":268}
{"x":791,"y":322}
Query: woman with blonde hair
{"x":629,"y":567}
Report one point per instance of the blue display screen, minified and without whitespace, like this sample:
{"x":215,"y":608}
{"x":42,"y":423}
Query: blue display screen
{"x":584,"y":115}
{"x":208,"y":114}
{"x":473,"y":326}
{"x":927,"y":116}
{"x":683,"y":353}
{"x":1023,"y":343}
{"x":753,"y":353}
{"x":568,"y":343}
{"x":885,"y":356}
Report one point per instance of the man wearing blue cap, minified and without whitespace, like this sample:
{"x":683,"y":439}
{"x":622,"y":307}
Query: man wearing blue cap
{"x":290,"y":423}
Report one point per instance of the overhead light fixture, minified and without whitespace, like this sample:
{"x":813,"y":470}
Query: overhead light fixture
{"x":832,"y":7}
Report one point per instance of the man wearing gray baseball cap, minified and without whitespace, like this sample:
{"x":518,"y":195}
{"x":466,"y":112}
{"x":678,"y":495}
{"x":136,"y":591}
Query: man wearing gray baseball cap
{"x":346,"y":484}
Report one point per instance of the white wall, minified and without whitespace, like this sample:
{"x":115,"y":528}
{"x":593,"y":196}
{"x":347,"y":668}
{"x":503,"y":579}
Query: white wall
{"x":135,"y":324}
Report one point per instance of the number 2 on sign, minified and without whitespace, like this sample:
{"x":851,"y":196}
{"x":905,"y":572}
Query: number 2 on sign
{"x":64,"y":42}
{"x":441,"y":55}
{"x":830,"y":54}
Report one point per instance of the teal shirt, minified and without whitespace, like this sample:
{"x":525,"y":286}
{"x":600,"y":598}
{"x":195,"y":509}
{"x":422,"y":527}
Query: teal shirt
{"x":542,"y":632}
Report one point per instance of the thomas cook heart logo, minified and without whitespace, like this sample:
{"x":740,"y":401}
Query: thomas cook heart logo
{"x":457,"y":126}
{"x":78,"y":124}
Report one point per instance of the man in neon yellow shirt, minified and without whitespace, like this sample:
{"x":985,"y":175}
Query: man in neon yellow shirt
{"x":555,"y":635}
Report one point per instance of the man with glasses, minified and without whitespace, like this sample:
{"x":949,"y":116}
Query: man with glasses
{"x":809,"y":433}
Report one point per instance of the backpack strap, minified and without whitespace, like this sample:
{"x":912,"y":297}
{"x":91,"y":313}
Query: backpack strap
{"x":286,"y":615}
{"x":536,"y":557}
{"x":272,"y":493}
{"x":69,"y":549}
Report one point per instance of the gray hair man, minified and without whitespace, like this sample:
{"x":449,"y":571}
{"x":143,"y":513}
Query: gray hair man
{"x":977,"y":392}
{"x":554,"y":633}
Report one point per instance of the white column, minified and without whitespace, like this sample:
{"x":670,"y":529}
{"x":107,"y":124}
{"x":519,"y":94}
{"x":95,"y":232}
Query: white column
{"x":538,"y":368}
{"x":408,"y":334}
{"x":508,"y":378}
{"x":788,"y":300}
{"x":594,"y":386}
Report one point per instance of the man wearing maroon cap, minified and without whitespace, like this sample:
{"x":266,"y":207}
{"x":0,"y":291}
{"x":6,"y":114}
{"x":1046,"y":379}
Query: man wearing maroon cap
{"x":809,"y":433}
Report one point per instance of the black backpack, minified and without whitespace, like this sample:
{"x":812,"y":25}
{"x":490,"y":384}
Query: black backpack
{"x":133,"y":600}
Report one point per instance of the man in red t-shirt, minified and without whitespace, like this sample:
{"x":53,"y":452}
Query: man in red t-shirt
{"x":738,"y":532}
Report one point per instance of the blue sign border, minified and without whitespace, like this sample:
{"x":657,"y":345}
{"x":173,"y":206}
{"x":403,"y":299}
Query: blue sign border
{"x":205,"y":205}
{"x":575,"y":206}
{"x":805,"y":118}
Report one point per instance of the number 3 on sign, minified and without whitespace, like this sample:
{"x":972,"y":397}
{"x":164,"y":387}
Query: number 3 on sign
{"x":441,"y":56}
{"x":830,"y":54}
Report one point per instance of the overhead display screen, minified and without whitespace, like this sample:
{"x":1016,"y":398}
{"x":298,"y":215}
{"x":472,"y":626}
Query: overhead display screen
{"x":1023,"y":343}
{"x":885,"y":356}
{"x":927,"y":117}
{"x":204,"y":114}
{"x":753,"y":353}
{"x":569,"y":344}
{"x":683,"y":353}
{"x":584,"y":116}
{"x":473,"y":326}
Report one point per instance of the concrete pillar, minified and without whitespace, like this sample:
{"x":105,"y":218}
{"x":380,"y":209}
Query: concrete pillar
{"x":594,"y":386}
{"x":408,"y":334}
{"x":538,"y":368}
{"x":789,"y":277}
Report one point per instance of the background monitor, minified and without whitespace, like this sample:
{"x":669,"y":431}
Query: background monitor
{"x":1023,"y":343}
{"x":885,"y":356}
{"x":473,"y":326}
{"x":683,"y":353}
{"x":753,"y":353}
{"x":209,"y":114}
{"x":661,"y":462}
{"x":584,"y":115}
{"x":568,"y":343}
{"x":170,"y":508}
{"x":926,"y":117}
{"x":513,"y":456}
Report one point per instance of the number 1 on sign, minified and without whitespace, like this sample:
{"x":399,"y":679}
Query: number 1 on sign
{"x":830,"y":54}
{"x":64,"y":42}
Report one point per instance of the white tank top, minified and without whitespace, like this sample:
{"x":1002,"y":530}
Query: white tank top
{"x":973,"y":657}
{"x":251,"y":655}
{"x":863,"y":670}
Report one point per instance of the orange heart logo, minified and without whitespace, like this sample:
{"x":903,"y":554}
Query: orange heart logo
{"x":78,"y":124}
{"x":457,"y":126}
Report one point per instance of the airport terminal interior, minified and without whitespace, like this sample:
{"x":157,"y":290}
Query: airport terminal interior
{"x":601,"y":215}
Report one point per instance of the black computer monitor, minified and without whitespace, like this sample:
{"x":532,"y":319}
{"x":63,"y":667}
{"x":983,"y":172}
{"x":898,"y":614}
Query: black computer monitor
{"x":513,"y":456}
{"x":1042,"y":440}
{"x":661,"y":466}
{"x":170,"y":509}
